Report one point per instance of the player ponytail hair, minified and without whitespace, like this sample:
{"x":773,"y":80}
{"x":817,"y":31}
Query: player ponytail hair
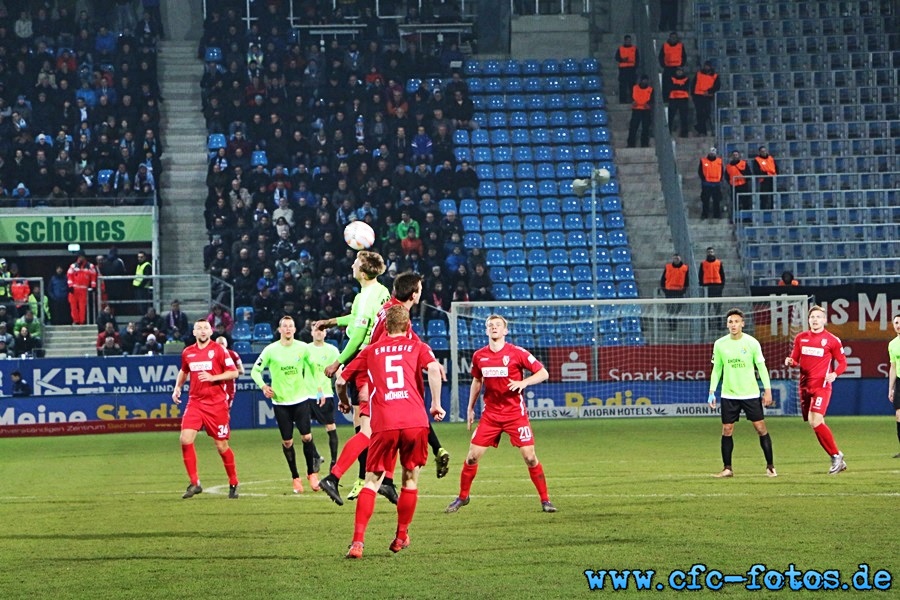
{"x":396,"y":319}
{"x":371,"y":264}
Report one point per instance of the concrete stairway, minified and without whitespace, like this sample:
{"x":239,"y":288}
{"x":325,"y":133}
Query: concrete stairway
{"x":70,"y":341}
{"x":182,"y":231}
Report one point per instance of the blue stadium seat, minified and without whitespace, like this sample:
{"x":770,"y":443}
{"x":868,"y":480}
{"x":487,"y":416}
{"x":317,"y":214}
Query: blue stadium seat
{"x":535,"y":102}
{"x":556,"y":102}
{"x":604,"y":273}
{"x":518,"y":274}
{"x":534,"y":239}
{"x":620,"y":255}
{"x":572,"y":83}
{"x":612,"y":204}
{"x":472,"y":240}
{"x":243,"y":314}
{"x":547,"y":187}
{"x":519,"y":137}
{"x":513,"y":85}
{"x":501,"y":291}
{"x":495,"y":257}
{"x":623,"y":272}
{"x":614,"y":220}
{"x":515,"y":257}
{"x":462,"y":154}
{"x":242,"y":331}
{"x":498,"y":274}
{"x":522,"y":154}
{"x":493,"y":239}
{"x":550,"y":66}
{"x":557,"y":256}
{"x":543,"y":291}
{"x":446,"y":205}
{"x":553,"y":223}
{"x":576,"y":239}
{"x":600,"y":135}
{"x":581,"y":135}
{"x":472,"y":67}
{"x":510,"y":222}
{"x":540,"y":274}
{"x":543,"y":154}
{"x":262,"y":332}
{"x":537,"y":256}
{"x":590,"y":66}
{"x":570,"y":66}
{"x":242,"y":347}
{"x":504,"y":155}
{"x":471,"y":223}
{"x":563,"y":291}
{"x":617,"y":238}
{"x":500,"y":137}
{"x":531,"y":67}
{"x":579,"y":256}
{"x":259,"y":158}
{"x":581,"y":273}
{"x":435,"y":327}
{"x":627,"y":289}
{"x":506,"y":189}
{"x":583,"y":291}
{"x":520,"y":291}
{"x":439,"y":343}
{"x":555,"y":239}
{"x":511,"y":67}
{"x":213,"y":54}
{"x":560,"y":274}
{"x":216,"y":141}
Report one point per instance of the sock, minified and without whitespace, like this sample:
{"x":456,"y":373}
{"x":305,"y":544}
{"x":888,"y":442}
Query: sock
{"x":189,"y":455}
{"x":823,"y":433}
{"x":406,"y":508}
{"x":363,"y":457}
{"x":537,"y":478}
{"x":765,"y":442}
{"x":310,"y":453}
{"x":365,"y":506}
{"x":727,"y":449}
{"x":228,"y":461}
{"x":898,"y":431}
{"x":433,"y":440}
{"x":352,"y":448}
{"x":333,"y":444}
{"x":291,"y":458}
{"x":466,"y":478}
{"x":388,"y":479}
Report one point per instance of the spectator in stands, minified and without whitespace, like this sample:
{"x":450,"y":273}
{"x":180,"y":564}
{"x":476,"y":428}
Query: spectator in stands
{"x":151,"y":322}
{"x":59,"y":297}
{"x":218,"y":316}
{"x":765,"y":169}
{"x":738,"y":172}
{"x":151,"y":346}
{"x":641,"y":112}
{"x":81,"y":277}
{"x":6,"y":350}
{"x":412,"y":244}
{"x":460,"y":111}
{"x":706,"y":84}
{"x":628,"y":59}
{"x":679,"y":98}
{"x":710,"y":172}
{"x":20,"y":387}
{"x":787,"y":278}
{"x":130,"y":338}
{"x":175,"y":319}
{"x":671,"y":56}
{"x":674,"y":285}
{"x":480,"y":284}
{"x":110,"y":348}
{"x":26,"y":344}
{"x":106,"y":316}
{"x":712,"y":274}
{"x":5,"y":336}
{"x":6,"y":318}
{"x":109,"y":333}
{"x":210,"y":250}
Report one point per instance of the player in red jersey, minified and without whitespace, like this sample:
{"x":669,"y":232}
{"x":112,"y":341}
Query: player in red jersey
{"x":816,"y":352}
{"x":498,"y":368}
{"x":398,"y":420}
{"x":209,"y":366}
{"x":230,"y":385}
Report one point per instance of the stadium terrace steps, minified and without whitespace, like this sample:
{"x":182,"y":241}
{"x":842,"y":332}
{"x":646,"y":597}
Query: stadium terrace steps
{"x":70,"y":341}
{"x":184,"y":188}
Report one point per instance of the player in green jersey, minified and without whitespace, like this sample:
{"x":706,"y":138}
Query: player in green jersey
{"x":735,"y":356}
{"x":291,"y":376}
{"x":322,"y":355}
{"x":894,"y":373}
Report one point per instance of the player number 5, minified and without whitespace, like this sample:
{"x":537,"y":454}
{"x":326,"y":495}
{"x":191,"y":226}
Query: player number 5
{"x":394,"y":371}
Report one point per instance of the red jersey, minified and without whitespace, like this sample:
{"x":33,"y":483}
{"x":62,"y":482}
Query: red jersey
{"x":231,"y":384}
{"x":378,"y":330}
{"x":393,"y":365}
{"x":213,"y":359}
{"x":816,"y":354}
{"x":495,"y":370}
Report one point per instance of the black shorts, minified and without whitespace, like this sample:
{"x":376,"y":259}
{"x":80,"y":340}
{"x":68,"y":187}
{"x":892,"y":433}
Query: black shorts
{"x":293,"y":414}
{"x":731,"y":410}
{"x":323,"y":414}
{"x":897,"y":394}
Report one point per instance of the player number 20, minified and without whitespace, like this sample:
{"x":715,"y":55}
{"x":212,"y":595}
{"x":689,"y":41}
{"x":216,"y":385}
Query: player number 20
{"x":524,"y":433}
{"x":394,"y":371}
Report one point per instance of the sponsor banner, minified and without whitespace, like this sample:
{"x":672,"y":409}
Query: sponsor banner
{"x":90,"y":427}
{"x":84,"y":229}
{"x":855,"y":311}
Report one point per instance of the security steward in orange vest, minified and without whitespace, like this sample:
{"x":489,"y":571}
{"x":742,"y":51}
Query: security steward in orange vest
{"x":712,"y":275}
{"x":627,"y":58}
{"x":679,"y":101}
{"x":674,"y":285}
{"x":706,"y":84}
{"x":710,"y":171}
{"x":738,"y":172}
{"x":671,"y":56}
{"x":641,"y":112}
{"x":764,"y":164}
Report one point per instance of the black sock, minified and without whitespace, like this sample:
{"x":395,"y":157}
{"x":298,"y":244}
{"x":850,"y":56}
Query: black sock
{"x":310,"y":453}
{"x":433,"y":440}
{"x":291,"y":457}
{"x":898,"y":431}
{"x":388,"y":481}
{"x":333,"y":445}
{"x":363,"y":456}
{"x":727,"y":449}
{"x":765,"y":442}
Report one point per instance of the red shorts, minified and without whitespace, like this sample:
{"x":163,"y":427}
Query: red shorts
{"x":384,"y":445}
{"x":215,"y":418}
{"x":362,"y":391}
{"x":814,"y":400}
{"x":365,"y":410}
{"x":518,"y":428}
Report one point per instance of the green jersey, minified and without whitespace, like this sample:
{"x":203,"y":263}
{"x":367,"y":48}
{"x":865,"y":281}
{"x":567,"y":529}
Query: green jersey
{"x":733,"y":363}
{"x":361,"y":320}
{"x":290,"y":371}
{"x":321,"y":357}
{"x":894,"y":354}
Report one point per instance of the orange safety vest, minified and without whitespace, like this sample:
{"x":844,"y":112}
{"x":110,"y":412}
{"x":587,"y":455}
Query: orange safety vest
{"x":735,"y":173}
{"x":704,"y":83}
{"x":628,"y":54}
{"x":712,"y":169}
{"x":679,"y":88}
{"x":676,"y":276}
{"x":641,"y":97}
{"x":793,"y":282}
{"x":673,"y":54}
{"x":766,"y":165}
{"x":712,"y":274}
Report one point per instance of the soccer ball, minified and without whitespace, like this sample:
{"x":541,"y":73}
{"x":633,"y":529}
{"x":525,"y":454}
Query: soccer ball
{"x":359,"y":235}
{"x":603,"y":176}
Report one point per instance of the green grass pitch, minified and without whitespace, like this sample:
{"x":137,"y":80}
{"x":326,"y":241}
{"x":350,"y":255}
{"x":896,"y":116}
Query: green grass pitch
{"x":102,"y":516}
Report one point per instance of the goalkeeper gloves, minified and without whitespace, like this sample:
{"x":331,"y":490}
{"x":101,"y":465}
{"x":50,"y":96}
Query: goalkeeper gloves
{"x":711,"y":400}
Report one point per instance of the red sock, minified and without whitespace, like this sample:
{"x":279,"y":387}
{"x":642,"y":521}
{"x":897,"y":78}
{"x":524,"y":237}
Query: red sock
{"x":228,"y":461}
{"x":365,"y":506}
{"x":189,"y":455}
{"x":406,"y":508}
{"x":537,"y":478}
{"x":352,"y":449}
{"x":466,"y":478}
{"x":826,"y":439}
